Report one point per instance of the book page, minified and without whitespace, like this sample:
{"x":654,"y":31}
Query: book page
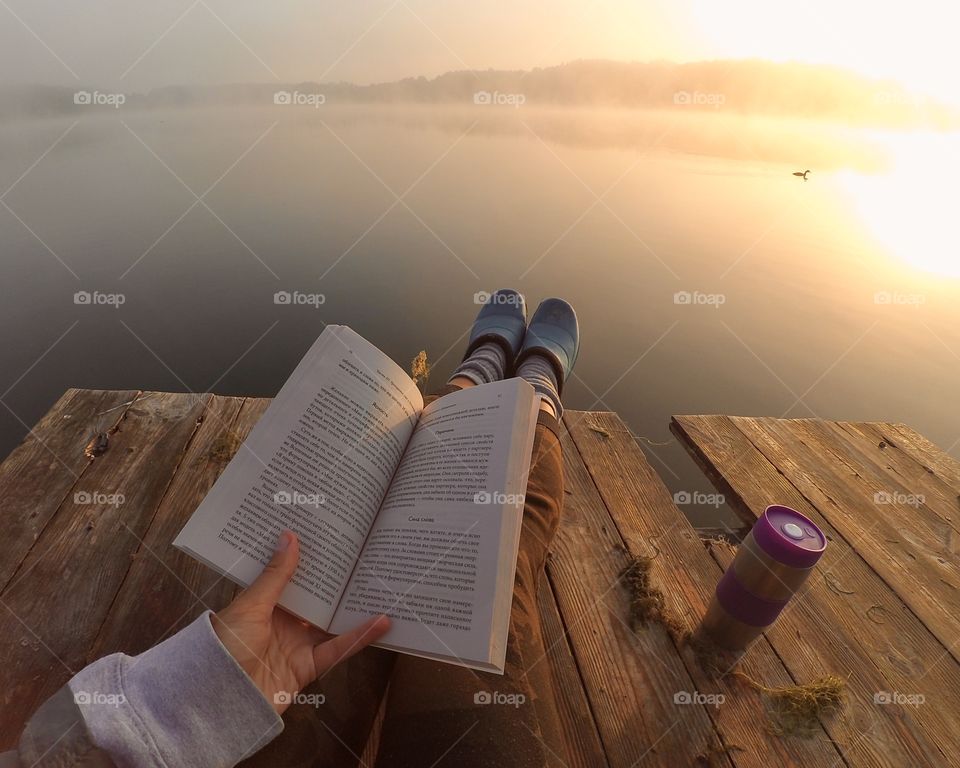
{"x":447,"y":533}
{"x":319,"y":462}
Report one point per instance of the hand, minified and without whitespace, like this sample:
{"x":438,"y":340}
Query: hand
{"x":281,"y":653}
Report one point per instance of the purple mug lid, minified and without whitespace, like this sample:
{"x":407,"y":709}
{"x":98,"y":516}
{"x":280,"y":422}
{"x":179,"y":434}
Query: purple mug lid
{"x":789,"y":537}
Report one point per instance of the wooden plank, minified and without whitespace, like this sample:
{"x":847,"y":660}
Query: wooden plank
{"x":925,"y":452}
{"x":164,"y":588}
{"x":370,"y":750}
{"x":57,"y":600}
{"x":39,"y":474}
{"x":584,"y":749}
{"x":630,"y":678}
{"x":906,"y":473}
{"x":650,"y":523}
{"x":828,"y":629}
{"x":908,"y":545}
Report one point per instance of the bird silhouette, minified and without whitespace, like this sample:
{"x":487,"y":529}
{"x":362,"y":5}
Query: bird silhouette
{"x":802,"y":174}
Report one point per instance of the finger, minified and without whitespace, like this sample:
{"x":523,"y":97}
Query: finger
{"x":267,"y":587}
{"x":342,"y":647}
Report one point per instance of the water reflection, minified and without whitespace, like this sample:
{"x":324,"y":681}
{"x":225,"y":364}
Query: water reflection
{"x":399,"y":216}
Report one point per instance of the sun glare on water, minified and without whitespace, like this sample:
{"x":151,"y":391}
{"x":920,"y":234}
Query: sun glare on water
{"x":912,"y":208}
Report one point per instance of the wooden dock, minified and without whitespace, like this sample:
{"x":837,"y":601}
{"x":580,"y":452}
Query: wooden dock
{"x":86,"y":569}
{"x":883,"y":607}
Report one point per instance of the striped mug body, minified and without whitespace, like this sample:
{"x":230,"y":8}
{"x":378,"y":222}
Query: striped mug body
{"x":771,"y":564}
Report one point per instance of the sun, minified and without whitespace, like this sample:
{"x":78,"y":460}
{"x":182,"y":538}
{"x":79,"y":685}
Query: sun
{"x":911,"y":209}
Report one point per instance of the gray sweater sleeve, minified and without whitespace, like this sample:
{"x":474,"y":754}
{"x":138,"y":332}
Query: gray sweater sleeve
{"x":185,"y":702}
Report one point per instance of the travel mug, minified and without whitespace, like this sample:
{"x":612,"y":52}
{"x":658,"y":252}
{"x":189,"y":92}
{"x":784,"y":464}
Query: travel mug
{"x":771,"y":564}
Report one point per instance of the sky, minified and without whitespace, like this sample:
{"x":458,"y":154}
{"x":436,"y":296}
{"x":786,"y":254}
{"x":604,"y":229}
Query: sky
{"x":137,"y":45}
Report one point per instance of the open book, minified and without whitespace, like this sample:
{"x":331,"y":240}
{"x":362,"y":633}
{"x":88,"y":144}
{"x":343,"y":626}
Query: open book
{"x":404,"y":510}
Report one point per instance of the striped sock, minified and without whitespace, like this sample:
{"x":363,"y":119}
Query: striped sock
{"x":486,"y":364}
{"x":538,"y":371}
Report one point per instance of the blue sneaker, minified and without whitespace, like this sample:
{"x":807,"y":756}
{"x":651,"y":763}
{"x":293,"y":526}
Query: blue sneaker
{"x":502,"y":320}
{"x":554,"y":333}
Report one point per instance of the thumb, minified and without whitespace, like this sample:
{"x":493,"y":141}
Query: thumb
{"x":267,"y":587}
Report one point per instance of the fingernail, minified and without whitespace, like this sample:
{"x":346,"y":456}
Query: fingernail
{"x":286,"y":539}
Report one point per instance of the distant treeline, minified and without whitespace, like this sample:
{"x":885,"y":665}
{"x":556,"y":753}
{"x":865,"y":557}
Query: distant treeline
{"x":745,"y":86}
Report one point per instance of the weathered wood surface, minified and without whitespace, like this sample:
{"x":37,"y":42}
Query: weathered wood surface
{"x":82,"y":580}
{"x":164,"y":586}
{"x":60,"y":594}
{"x":871,"y":610}
{"x":584,"y":748}
{"x":79,"y":580}
{"x":630,"y":678}
{"x":647,"y":523}
{"x":38,"y":475}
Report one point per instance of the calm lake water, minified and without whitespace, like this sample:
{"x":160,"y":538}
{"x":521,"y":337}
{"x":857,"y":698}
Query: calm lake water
{"x":828,"y":298}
